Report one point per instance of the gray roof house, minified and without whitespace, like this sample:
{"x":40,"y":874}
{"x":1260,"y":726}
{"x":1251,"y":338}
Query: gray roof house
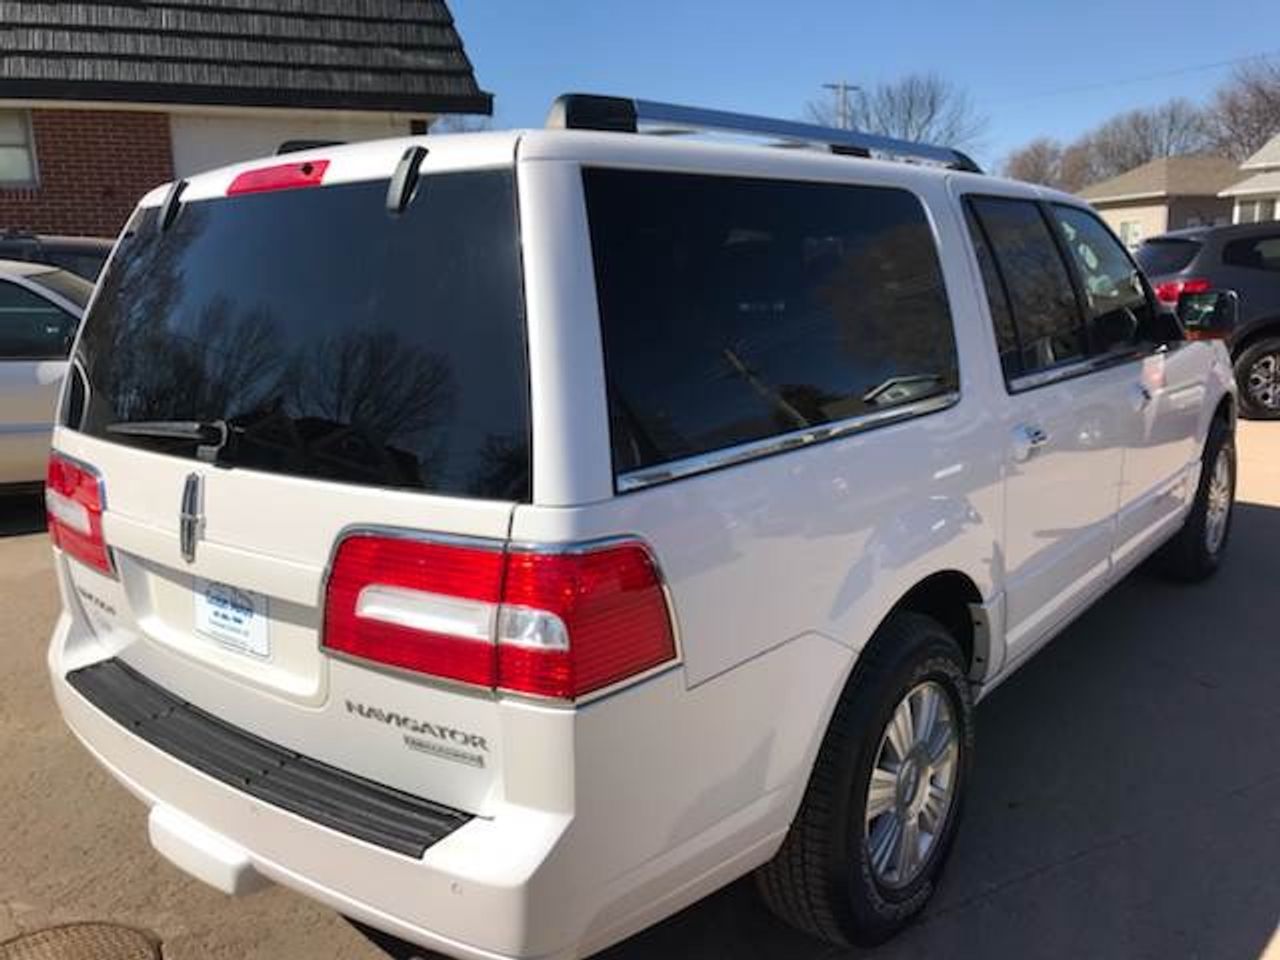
{"x":1257,"y":194}
{"x":99,"y":101}
{"x":1165,"y":194}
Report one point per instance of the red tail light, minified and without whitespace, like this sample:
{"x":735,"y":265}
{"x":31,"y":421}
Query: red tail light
{"x":549,"y":624}
{"x":1169,"y":291}
{"x":74,"y":502}
{"x":283,"y":176}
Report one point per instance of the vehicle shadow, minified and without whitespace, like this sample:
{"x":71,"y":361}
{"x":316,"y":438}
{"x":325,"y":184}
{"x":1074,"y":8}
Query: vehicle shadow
{"x":1126,"y":798}
{"x":21,"y":514}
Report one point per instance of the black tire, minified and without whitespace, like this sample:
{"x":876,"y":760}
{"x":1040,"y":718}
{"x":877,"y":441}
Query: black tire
{"x":1190,"y":557}
{"x":822,"y":880}
{"x":1251,"y":408}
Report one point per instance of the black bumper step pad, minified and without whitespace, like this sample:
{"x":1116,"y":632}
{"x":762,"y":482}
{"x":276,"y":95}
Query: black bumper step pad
{"x":349,"y":804}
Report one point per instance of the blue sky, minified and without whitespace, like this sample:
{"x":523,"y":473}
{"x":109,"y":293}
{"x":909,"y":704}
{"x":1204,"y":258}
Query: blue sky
{"x":1032,"y":67}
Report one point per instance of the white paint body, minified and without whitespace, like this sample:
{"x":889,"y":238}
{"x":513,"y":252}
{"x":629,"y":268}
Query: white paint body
{"x":592,"y":823}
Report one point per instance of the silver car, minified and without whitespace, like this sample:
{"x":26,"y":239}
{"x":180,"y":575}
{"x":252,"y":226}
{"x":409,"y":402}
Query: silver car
{"x":40,"y":311}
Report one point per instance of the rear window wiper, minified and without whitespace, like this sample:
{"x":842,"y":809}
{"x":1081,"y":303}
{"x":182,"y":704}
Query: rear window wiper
{"x":209,"y":435}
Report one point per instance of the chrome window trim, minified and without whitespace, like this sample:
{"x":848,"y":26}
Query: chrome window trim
{"x":756,"y":449}
{"x":1075,"y":368}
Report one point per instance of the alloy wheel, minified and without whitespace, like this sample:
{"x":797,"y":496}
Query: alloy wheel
{"x":912,"y":786}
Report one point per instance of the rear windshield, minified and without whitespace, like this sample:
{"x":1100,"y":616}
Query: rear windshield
{"x":322,"y":336}
{"x":1158,"y":257}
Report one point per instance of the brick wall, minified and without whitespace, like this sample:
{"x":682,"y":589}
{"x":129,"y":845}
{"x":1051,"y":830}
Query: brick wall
{"x":94,"y":165}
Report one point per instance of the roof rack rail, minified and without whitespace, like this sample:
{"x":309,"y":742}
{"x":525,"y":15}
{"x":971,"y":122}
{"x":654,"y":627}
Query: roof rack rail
{"x":585,"y":111}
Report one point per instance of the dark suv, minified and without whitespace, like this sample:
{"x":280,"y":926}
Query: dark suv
{"x":1244,"y":258}
{"x":83,"y":256}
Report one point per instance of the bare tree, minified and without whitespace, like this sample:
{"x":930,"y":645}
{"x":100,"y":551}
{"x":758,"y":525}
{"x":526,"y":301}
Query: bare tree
{"x":1129,"y":140}
{"x":1040,"y":161}
{"x":1245,"y":112}
{"x":920,"y":106}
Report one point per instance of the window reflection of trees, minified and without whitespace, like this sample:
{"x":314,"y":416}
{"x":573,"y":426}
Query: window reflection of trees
{"x":365,"y":405}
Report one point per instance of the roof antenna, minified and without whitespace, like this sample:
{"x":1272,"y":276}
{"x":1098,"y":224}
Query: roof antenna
{"x":169,"y":209}
{"x":400,"y":189}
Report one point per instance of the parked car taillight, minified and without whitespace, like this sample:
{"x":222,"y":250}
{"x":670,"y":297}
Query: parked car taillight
{"x":74,"y":501}
{"x":1169,"y":291}
{"x":546,"y":623}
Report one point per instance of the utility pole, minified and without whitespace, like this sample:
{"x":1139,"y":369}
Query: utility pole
{"x":844,"y":114}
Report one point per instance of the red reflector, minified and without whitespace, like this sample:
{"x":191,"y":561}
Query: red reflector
{"x":74,"y":503}
{"x":1171,"y":290}
{"x":426,"y":607}
{"x":547,"y":624}
{"x":612,"y":607}
{"x":284,"y":176}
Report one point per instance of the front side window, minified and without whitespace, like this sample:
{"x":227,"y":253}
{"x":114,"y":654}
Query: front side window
{"x":31,"y":327}
{"x":17,"y":155}
{"x":1255,"y":253}
{"x":1116,"y":304}
{"x":734,"y":309}
{"x":1026,"y":277}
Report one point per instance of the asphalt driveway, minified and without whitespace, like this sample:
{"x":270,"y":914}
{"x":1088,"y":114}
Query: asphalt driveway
{"x":1126,"y":801}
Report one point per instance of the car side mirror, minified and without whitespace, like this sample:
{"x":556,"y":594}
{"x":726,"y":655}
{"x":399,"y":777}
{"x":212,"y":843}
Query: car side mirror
{"x":1209,"y":316}
{"x":1160,"y":326}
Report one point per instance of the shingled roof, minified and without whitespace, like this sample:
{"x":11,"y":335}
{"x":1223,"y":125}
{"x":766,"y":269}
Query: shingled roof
{"x":1191,"y":176}
{"x":383,"y":55}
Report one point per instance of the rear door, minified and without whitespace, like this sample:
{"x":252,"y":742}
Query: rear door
{"x":1065,"y":435}
{"x":273,"y":371}
{"x":35,"y":335}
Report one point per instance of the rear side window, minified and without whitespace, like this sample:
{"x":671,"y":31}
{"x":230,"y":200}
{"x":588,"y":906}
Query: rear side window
{"x":1027,"y":279}
{"x":734,"y":310}
{"x":1254,"y":253}
{"x":31,"y":327}
{"x":1158,"y":257}
{"x":331,"y":339}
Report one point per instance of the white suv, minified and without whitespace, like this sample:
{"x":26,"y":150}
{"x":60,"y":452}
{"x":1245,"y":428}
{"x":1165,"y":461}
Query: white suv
{"x":507,"y":539}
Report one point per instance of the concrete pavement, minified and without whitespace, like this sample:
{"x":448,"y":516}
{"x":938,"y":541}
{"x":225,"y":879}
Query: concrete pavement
{"x":1126,"y":799}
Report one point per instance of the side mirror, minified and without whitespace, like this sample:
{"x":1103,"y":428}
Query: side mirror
{"x":1209,"y":316}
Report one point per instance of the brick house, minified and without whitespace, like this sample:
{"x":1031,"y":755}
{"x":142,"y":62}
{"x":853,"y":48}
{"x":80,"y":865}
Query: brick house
{"x":101,"y":101}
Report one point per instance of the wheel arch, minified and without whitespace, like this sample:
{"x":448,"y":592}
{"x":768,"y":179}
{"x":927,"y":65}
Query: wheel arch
{"x":1258,"y":330}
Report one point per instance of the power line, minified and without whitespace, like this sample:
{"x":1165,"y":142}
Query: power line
{"x":1103,"y":85}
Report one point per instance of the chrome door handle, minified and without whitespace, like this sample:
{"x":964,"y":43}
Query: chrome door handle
{"x":1027,"y":439}
{"x":1141,"y":397}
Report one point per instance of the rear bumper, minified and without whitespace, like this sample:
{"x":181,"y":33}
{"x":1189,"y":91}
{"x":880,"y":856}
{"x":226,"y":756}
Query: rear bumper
{"x":466,"y":897}
{"x":672,"y":793}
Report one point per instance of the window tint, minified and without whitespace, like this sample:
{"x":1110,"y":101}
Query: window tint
{"x":65,"y":284}
{"x":1158,"y":257}
{"x":1255,"y":253}
{"x":737,"y":309}
{"x":32,"y":328}
{"x":335,"y":340}
{"x":1116,"y":304}
{"x":1039,"y":293}
{"x":997,"y":298}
